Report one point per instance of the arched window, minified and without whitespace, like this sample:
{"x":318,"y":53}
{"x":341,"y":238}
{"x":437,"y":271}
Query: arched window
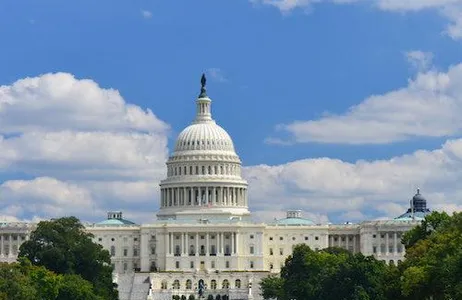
{"x":112,"y":250}
{"x":237,"y":284}
{"x":392,"y":262}
{"x":163,"y":285}
{"x":176,"y":284}
{"x":188,"y":284}
{"x":225,"y":284}
{"x":213,"y":284}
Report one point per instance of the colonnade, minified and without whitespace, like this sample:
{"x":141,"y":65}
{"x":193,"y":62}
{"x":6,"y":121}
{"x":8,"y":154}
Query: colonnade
{"x":212,"y":169}
{"x":346,"y":244}
{"x":203,"y":196}
{"x":223,"y":243}
{"x":9,"y":244}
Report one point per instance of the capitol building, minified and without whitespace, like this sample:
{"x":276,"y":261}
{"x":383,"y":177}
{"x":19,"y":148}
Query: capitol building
{"x":204,"y":242}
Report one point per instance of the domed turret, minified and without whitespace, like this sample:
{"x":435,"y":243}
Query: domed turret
{"x":204,"y":172}
{"x":418,"y":208}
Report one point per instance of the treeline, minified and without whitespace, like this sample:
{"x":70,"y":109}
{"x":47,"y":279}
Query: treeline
{"x":59,"y":262}
{"x":432,"y":269}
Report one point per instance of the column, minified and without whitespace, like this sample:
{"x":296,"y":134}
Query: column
{"x":207,"y":195}
{"x":221,"y":242}
{"x":346,"y":241}
{"x":2,"y":252}
{"x":386,"y":243}
{"x":220,"y":196}
{"x":237,"y":243}
{"x":184,"y":195}
{"x":197,"y":244}
{"x":191,"y":196}
{"x":331,"y":241}
{"x":207,"y":244}
{"x":182,"y":244}
{"x":10,"y":245}
{"x":232,"y":243}
{"x":214,"y":196}
{"x":167,"y":242}
{"x":354,"y":243}
{"x":199,"y":192}
{"x":186,"y":242}
{"x":395,"y":242}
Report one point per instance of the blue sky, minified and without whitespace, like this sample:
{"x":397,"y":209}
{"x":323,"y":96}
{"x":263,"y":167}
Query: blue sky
{"x":285,"y":77}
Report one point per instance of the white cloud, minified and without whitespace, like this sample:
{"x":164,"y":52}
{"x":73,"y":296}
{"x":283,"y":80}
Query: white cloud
{"x":359,"y":190}
{"x":449,"y":9}
{"x":146,"y":14}
{"x":86,"y":149}
{"x":420,"y":60}
{"x":430,"y":106}
{"x":216,"y":74}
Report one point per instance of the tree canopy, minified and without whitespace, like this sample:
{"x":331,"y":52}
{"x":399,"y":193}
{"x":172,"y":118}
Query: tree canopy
{"x":28,"y":282}
{"x":64,"y":247}
{"x":432,"y":269}
{"x":329,"y":274}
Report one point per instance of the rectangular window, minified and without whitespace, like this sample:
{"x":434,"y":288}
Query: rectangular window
{"x":281,"y":238}
{"x":135,"y":252}
{"x":316,"y":238}
{"x":100,"y":240}
{"x":227,"y":264}
{"x":374,"y":236}
{"x":153,"y":250}
{"x":251,"y":250}
{"x":306,"y":238}
{"x":135,"y":239}
{"x":281,"y":251}
{"x":212,"y":264}
{"x":251,"y":236}
{"x":374,"y":249}
{"x":251,"y":264}
{"x":177,"y":264}
{"x":390,"y":249}
{"x":191,"y":265}
{"x":125,"y":267}
{"x":271,"y":251}
{"x":125,"y":252}
{"x":271,"y":238}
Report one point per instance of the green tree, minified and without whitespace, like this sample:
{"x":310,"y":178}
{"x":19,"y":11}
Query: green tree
{"x":76,"y":288}
{"x":272,"y":287}
{"x":63,"y":246}
{"x":433,"y":265}
{"x":14,"y":284}
{"x":332,"y":274}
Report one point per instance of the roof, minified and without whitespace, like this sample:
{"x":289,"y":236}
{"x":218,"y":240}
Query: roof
{"x":418,"y":215}
{"x":293,"y":222}
{"x":115,"y":222}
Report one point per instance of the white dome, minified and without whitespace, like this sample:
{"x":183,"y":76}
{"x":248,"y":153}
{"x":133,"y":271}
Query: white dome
{"x":204,"y":136}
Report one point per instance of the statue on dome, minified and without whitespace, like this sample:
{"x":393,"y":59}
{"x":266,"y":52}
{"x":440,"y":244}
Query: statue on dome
{"x":203,"y":82}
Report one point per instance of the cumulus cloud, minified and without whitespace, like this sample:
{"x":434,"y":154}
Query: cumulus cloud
{"x":449,"y":9}
{"x":360,"y":190}
{"x":430,"y":106}
{"x":85,"y":148}
{"x":419,"y":60}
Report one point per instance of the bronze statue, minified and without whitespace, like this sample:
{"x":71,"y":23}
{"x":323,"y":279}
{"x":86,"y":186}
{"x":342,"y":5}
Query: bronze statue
{"x":203,"y":80}
{"x":203,"y":93}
